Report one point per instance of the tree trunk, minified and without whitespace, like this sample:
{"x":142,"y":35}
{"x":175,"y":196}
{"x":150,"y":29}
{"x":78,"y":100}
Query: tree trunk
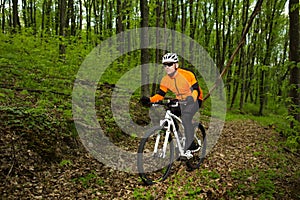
{"x":208,"y":26}
{"x":80,"y":17}
{"x":24,"y":8}
{"x":62,"y":25}
{"x":3,"y":17}
{"x":261,"y":92}
{"x":88,"y":9}
{"x":242,"y":79}
{"x":109,"y":18}
{"x":173,"y":17}
{"x":57,"y":17}
{"x":193,"y":25}
{"x":119,"y":23}
{"x":267,"y":57}
{"x":157,"y":51}
{"x":128,"y":23}
{"x":16,"y":20}
{"x":145,"y":91}
{"x":235,"y":86}
{"x":183,"y":29}
{"x":70,"y":18}
{"x":242,"y":57}
{"x":294,"y":35}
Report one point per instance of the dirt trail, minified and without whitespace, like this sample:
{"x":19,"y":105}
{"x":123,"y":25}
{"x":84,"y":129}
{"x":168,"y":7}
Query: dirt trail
{"x":246,"y":163}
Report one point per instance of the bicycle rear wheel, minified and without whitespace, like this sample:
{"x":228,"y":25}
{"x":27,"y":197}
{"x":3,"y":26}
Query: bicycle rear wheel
{"x":199,"y":150}
{"x":154,"y":167}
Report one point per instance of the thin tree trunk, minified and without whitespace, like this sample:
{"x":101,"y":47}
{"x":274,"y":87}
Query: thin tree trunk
{"x":73,"y":20}
{"x":48,"y":17}
{"x":145,"y":57}
{"x":24,"y":8}
{"x":43,"y":17}
{"x":109,"y":18}
{"x":16,"y":20}
{"x":242,"y":78}
{"x":80,"y":17}
{"x":192,"y":28}
{"x":157,"y":51}
{"x":235,"y":87}
{"x":62,"y":47}
{"x":183,"y":28}
{"x":128,"y":21}
{"x":57,"y":16}
{"x":266,"y":60}
{"x":9,"y":14}
{"x":242,"y":57}
{"x":101,"y":20}
{"x":88,"y":8}
{"x":294,"y":35}
{"x":119,"y":27}
{"x":3,"y":17}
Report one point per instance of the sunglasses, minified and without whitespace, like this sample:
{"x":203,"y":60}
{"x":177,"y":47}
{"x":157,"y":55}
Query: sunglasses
{"x":168,"y":64}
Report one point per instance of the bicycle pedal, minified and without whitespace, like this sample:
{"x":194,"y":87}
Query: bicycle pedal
{"x":186,"y":156}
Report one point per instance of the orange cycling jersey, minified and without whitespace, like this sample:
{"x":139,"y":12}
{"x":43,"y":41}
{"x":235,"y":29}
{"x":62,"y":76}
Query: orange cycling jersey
{"x":182,"y":84}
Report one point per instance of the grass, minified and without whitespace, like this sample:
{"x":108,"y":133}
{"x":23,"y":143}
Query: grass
{"x":255,"y":182}
{"x":275,"y":117}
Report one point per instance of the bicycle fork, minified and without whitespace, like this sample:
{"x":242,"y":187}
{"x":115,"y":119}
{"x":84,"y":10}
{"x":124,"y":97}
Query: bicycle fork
{"x":161,"y":153}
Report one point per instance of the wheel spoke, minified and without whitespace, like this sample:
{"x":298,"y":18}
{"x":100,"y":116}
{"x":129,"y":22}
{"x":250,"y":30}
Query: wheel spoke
{"x":155,"y":167}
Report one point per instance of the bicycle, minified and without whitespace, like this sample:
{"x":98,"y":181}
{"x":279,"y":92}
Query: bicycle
{"x":163,"y":144}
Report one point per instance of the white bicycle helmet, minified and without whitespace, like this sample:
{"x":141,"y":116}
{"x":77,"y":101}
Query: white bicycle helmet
{"x":170,"y":58}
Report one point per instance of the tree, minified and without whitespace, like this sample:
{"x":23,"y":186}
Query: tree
{"x":120,"y":25}
{"x":62,"y":25}
{"x":3,"y":15}
{"x":145,"y":57}
{"x":294,"y":35}
{"x":158,"y":9}
{"x":16,"y":20}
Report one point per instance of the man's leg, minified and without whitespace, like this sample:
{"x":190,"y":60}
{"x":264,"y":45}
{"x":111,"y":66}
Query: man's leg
{"x":188,"y":129}
{"x":187,"y":115}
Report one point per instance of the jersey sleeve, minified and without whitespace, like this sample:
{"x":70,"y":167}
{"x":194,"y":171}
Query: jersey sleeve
{"x":160,"y":94}
{"x":194,"y":86}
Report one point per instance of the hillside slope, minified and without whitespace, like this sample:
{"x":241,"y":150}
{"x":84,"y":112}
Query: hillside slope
{"x":247,"y":163}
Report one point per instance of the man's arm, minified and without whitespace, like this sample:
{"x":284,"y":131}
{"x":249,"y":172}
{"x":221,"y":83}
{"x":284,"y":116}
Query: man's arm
{"x":159,"y":95}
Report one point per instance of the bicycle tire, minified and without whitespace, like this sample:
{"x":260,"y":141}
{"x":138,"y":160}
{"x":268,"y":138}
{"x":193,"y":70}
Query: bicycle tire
{"x":152,"y":168}
{"x":198,"y":156}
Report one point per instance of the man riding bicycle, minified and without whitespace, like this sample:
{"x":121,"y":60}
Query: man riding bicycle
{"x":184,"y":85}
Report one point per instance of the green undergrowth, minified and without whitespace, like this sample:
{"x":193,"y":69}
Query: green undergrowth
{"x":277,"y":119}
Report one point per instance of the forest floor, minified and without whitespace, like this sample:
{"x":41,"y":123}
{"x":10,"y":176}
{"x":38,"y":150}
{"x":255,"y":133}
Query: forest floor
{"x":248,"y":162}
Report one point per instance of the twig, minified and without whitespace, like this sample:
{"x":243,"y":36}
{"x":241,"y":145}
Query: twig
{"x":13,"y":156}
{"x":290,"y":151}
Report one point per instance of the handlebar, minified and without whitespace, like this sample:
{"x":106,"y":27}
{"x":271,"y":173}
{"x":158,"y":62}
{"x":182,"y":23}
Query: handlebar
{"x":169,"y":103}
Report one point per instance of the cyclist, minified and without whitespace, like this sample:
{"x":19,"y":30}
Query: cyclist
{"x":184,"y":85}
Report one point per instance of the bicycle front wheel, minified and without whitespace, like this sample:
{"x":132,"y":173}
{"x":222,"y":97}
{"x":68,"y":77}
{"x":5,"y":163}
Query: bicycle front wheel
{"x":199,"y":150}
{"x":154,"y":164}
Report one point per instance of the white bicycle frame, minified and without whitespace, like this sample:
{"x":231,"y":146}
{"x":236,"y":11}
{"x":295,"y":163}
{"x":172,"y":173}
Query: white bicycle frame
{"x":168,"y":120}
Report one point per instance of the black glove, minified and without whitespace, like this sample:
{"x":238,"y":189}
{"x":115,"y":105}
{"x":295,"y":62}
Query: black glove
{"x":190,"y":100}
{"x":145,"y":101}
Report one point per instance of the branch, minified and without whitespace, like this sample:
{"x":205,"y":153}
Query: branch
{"x":242,"y":41}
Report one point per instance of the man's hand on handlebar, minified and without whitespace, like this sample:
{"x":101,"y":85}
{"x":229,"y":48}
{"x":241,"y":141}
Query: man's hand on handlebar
{"x":145,"y":101}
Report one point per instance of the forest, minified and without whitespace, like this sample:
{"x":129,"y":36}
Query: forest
{"x":255,"y":46}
